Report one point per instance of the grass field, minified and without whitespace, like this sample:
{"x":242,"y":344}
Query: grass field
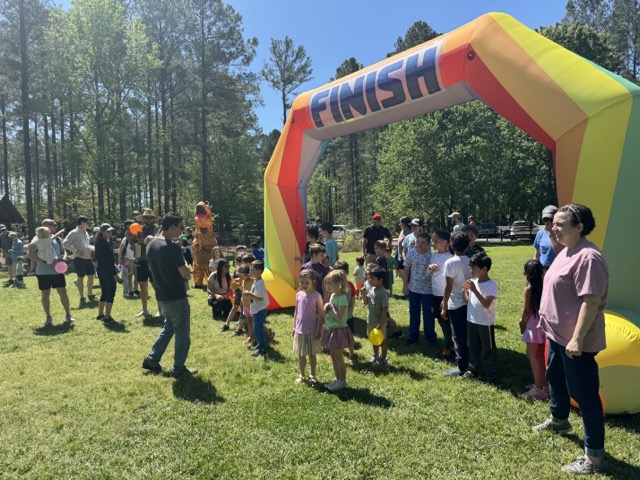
{"x":75,"y":403}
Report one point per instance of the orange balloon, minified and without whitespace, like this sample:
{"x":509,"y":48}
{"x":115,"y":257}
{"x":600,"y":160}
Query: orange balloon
{"x":135,"y":228}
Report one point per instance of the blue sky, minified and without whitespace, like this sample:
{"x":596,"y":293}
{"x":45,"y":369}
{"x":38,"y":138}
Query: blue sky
{"x":334,"y":30}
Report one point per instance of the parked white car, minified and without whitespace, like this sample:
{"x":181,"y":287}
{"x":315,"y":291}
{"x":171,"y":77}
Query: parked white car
{"x":339,"y":232}
{"x":522,"y":229}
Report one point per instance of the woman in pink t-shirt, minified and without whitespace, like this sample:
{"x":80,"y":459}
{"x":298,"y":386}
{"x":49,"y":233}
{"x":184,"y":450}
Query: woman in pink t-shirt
{"x":574,"y":297}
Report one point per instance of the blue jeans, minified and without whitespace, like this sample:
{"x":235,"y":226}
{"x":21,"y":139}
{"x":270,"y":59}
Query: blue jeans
{"x":177,"y":320}
{"x":259,"y":318}
{"x":418,"y":301}
{"x":577,"y":377}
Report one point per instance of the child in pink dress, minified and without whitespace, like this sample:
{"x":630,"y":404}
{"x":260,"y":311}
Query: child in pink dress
{"x":307,"y":317}
{"x":531,"y":334}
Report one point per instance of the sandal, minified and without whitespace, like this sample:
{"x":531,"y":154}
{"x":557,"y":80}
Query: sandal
{"x":312,"y":380}
{"x":299,"y":380}
{"x":91,"y":297}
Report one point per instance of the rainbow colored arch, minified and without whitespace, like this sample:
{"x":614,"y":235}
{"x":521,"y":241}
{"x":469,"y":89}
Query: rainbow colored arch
{"x":588,"y":117}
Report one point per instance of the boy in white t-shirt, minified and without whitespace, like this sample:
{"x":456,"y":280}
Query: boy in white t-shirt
{"x":454,"y":306}
{"x":480,"y":294}
{"x":440,"y":241}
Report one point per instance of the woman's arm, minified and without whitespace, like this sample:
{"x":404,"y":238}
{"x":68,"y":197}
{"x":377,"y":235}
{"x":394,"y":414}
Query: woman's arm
{"x":586,"y":316}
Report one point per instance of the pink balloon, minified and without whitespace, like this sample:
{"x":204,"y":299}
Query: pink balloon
{"x":60,"y":267}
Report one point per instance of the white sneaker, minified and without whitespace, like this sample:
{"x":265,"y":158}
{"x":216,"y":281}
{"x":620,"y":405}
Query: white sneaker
{"x":48,"y":322}
{"x":330,"y":386}
{"x":339,"y":385}
{"x":534,"y":393}
{"x":374,"y":359}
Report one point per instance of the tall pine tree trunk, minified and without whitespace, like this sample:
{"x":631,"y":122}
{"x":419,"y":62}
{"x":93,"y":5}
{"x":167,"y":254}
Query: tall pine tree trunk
{"x":36,"y":167}
{"x":5,"y":146}
{"x":149,"y":152}
{"x":48,"y":168}
{"x":24,"y":90}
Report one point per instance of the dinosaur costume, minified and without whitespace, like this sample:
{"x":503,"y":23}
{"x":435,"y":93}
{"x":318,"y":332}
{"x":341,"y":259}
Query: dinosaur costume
{"x":203,"y":243}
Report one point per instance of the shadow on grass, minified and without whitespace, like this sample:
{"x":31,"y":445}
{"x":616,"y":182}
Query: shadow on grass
{"x":116,"y":327}
{"x":53,"y":330}
{"x":275,"y":356}
{"x":388,"y":370}
{"x":86,"y":306}
{"x":360,"y":395}
{"x":626,"y":422}
{"x":152,"y":321}
{"x":195,"y":389}
{"x":619,"y":469}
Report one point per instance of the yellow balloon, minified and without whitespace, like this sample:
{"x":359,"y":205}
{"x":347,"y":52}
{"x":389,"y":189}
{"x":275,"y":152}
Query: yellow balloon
{"x":376,"y":337}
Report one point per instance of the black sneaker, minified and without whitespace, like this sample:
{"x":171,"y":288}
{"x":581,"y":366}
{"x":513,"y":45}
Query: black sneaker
{"x":109,"y":321}
{"x":151,"y":365}
{"x":185,"y":372}
{"x":398,"y":334}
{"x":237,"y":333}
{"x":100,"y":317}
{"x":224,"y":328}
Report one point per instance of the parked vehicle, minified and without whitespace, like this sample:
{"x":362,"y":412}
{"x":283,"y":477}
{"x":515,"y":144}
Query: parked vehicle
{"x":488,"y":230}
{"x":339,"y":232}
{"x":522,"y":229}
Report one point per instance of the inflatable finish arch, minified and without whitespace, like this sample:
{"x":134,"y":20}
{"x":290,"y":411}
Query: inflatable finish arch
{"x":588,"y":117}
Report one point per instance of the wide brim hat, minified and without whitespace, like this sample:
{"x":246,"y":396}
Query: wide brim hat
{"x":455,"y":214}
{"x":147,"y":213}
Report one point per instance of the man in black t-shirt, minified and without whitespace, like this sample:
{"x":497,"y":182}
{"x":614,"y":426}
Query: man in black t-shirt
{"x":170,"y":275}
{"x":374,"y":232}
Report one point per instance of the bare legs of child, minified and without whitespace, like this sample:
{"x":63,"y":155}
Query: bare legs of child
{"x":339,"y":368}
{"x":302,"y":364}
{"x":539,"y":390}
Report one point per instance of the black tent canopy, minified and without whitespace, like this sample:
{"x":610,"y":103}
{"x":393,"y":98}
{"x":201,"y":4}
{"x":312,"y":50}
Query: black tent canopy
{"x":8,"y":212}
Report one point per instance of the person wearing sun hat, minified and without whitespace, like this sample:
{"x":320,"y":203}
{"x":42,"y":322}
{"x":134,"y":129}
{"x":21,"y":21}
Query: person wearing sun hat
{"x":545,"y":243}
{"x":374,"y":232}
{"x":147,"y":219}
{"x":456,"y":219}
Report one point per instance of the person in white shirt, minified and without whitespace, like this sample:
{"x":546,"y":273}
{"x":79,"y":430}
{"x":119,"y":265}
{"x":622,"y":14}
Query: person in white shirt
{"x":78,"y":243}
{"x":480,"y":294}
{"x":440,"y":241}
{"x":454,"y":306}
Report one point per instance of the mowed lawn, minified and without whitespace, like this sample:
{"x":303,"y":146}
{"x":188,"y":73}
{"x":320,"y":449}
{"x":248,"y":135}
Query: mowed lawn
{"x":75,"y":403}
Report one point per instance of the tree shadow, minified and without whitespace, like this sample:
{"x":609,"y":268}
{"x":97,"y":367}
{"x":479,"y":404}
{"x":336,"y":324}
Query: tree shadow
{"x":360,"y":395}
{"x":152,"y":322}
{"x":53,"y":330}
{"x":116,"y":327}
{"x":193,"y":388}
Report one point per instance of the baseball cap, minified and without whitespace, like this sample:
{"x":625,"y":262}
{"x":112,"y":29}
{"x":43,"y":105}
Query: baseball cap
{"x":417,"y":222}
{"x":376,"y":216}
{"x":105,"y":227}
{"x":549,"y":211}
{"x":455,"y":214}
